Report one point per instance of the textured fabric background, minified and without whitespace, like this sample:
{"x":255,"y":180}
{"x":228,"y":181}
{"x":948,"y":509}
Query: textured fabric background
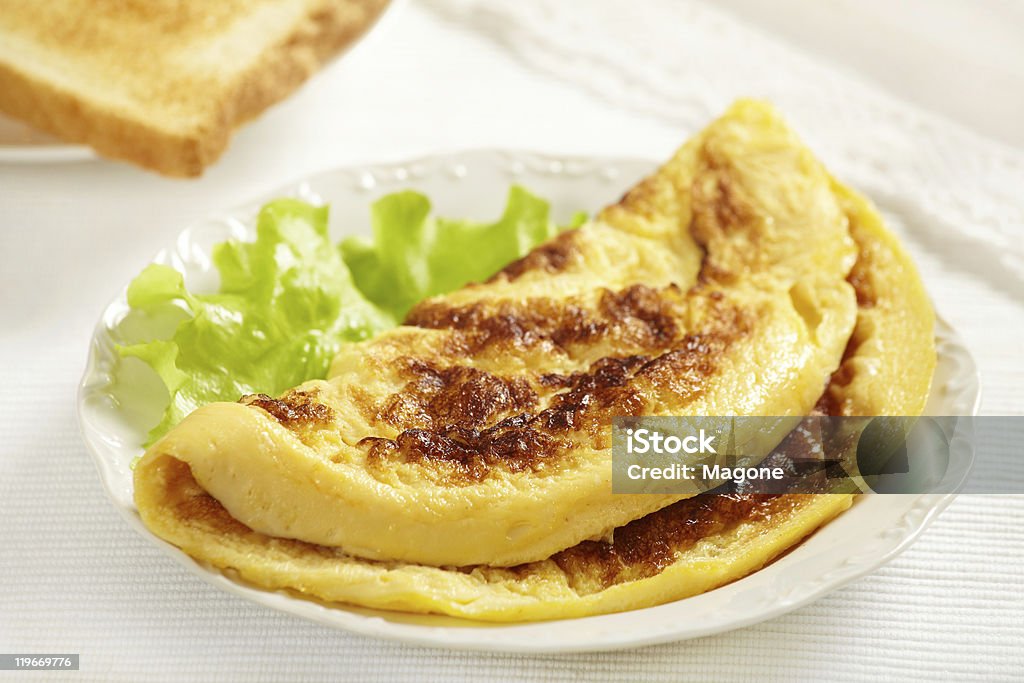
{"x":447,"y":75}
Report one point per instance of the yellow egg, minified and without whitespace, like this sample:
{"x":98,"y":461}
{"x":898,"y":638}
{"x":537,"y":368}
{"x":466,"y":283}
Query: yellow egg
{"x":740,"y":278}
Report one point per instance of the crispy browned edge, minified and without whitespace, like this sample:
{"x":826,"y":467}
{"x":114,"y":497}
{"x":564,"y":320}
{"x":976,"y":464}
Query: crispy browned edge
{"x":280,"y":70}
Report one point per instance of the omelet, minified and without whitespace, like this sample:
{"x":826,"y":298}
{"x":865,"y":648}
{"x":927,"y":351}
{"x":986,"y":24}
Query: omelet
{"x":477,"y":433}
{"x":721,"y":211}
{"x":890,"y":358}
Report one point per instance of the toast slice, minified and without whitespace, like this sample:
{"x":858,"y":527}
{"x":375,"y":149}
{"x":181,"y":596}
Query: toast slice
{"x":164,"y":83}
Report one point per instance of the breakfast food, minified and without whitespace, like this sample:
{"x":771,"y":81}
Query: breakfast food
{"x":485,"y":417}
{"x":459,"y":464}
{"x":164,"y":84}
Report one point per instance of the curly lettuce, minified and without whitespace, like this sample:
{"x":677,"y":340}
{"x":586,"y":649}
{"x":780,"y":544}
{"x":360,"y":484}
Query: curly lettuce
{"x":415,"y":255}
{"x":289,"y":299}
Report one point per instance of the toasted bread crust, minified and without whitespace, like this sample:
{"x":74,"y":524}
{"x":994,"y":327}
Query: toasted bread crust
{"x":120,"y":133}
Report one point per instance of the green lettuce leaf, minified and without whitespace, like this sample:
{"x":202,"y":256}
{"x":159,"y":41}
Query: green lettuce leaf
{"x":285,"y":306}
{"x":291,"y":298}
{"x":415,"y":255}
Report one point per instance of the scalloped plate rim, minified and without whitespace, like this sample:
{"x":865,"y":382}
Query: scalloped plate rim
{"x":500,"y":637}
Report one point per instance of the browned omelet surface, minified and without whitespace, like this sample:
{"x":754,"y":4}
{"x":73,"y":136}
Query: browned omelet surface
{"x":536,"y":379}
{"x":478,"y":431}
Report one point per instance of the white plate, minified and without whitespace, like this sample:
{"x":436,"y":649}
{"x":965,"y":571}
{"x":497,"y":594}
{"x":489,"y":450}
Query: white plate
{"x":473,"y":185}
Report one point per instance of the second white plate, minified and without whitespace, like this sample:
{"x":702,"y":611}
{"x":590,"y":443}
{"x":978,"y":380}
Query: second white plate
{"x":20,"y":143}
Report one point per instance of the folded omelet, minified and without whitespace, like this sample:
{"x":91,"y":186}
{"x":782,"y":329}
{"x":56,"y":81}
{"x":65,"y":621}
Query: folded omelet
{"x":460,"y":464}
{"x":478,"y":431}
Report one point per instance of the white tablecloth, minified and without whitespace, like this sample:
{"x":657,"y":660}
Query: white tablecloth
{"x":452,"y":74}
